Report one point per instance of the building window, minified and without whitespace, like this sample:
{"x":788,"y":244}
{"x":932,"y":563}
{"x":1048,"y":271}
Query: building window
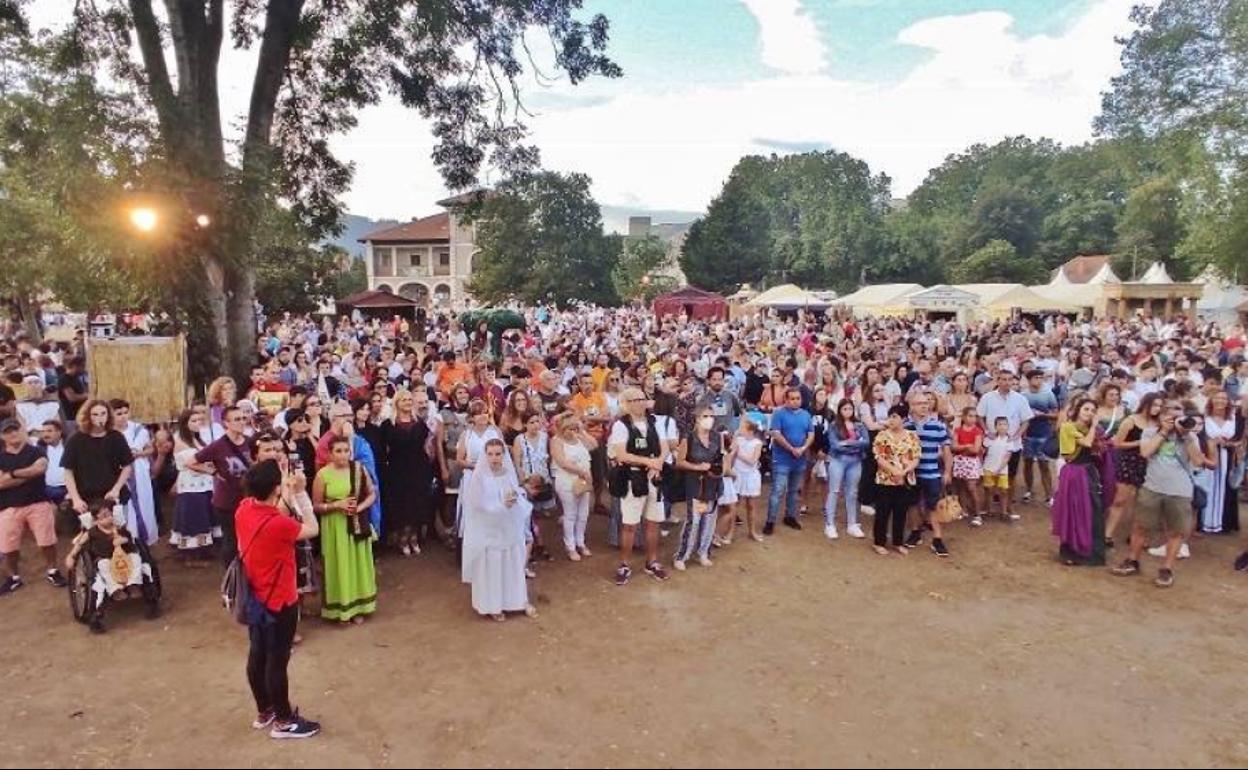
{"x":444,"y":259}
{"x":414,"y":259}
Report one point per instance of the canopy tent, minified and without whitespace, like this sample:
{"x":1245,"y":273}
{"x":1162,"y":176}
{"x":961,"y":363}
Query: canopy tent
{"x":1221,"y":300}
{"x":497,"y":320}
{"x":693,"y":302}
{"x":789,"y":297}
{"x":1156,"y":274}
{"x":376,"y":302}
{"x":881,"y":299}
{"x":1083,"y":296}
{"x":1000,"y":300}
{"x":744,"y":294}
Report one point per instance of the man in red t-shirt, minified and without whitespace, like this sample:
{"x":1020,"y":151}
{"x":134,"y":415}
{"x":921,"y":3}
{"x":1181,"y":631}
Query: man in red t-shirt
{"x":266,"y":545}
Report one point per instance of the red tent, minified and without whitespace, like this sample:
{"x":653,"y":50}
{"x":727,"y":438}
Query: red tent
{"x":693,"y":302}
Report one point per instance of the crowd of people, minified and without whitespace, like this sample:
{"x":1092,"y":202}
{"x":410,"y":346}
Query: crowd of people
{"x":358,"y":438}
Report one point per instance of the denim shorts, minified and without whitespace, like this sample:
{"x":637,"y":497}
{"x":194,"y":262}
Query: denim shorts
{"x":1033,"y":448}
{"x":930,"y":491}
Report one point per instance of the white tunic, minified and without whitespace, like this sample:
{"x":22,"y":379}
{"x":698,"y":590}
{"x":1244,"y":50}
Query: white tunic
{"x":141,"y":513}
{"x":494,"y":541}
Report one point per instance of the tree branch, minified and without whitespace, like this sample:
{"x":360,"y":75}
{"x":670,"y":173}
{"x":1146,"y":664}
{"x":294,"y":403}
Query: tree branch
{"x":280,"y":23}
{"x":158,"y":84}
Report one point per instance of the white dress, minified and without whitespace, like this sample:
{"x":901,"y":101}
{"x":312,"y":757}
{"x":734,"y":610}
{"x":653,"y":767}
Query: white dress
{"x":749,"y":481}
{"x":474,"y":444}
{"x":141,"y":511}
{"x":1211,"y":518}
{"x":494,"y":541}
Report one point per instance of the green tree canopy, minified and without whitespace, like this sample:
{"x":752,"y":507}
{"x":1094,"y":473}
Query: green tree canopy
{"x":540,"y":238}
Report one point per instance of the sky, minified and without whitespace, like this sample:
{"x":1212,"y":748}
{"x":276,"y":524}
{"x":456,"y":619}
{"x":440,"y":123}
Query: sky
{"x":898,"y":83}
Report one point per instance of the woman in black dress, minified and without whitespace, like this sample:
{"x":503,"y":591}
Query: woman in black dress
{"x":409,"y":512}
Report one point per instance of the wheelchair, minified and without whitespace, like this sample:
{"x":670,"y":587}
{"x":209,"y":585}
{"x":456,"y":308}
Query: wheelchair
{"x":84,"y":600}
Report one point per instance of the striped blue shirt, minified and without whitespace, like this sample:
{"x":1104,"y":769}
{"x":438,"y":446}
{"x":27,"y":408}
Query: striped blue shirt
{"x":933,"y":434}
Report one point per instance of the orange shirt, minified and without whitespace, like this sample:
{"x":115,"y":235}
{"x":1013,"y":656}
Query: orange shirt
{"x":451,"y":375}
{"x":599,"y":376}
{"x":593,"y":405}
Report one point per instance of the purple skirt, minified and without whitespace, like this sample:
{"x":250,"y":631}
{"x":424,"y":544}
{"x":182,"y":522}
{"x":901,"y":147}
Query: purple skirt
{"x":1079,"y":513}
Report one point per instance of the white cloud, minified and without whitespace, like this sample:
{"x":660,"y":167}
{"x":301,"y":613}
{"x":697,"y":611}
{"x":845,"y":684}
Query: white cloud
{"x":980,"y":83}
{"x":788,"y":35}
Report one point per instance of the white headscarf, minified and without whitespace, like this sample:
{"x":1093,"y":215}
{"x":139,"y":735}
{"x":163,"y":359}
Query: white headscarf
{"x":488,"y":522}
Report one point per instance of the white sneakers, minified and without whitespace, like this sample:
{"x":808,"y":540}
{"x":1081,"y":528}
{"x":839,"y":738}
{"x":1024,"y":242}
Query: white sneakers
{"x":830,"y":532}
{"x":855,"y":531}
{"x":1160,"y":552}
{"x":867,"y":510}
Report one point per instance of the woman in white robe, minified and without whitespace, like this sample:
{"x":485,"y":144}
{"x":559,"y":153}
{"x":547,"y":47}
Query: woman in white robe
{"x":496,"y":515}
{"x":141,"y":513}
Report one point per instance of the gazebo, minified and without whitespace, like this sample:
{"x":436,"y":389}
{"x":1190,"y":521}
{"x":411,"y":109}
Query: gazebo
{"x":693,"y":302}
{"x":378,"y":302}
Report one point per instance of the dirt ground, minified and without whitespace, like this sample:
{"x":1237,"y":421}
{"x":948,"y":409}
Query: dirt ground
{"x":794,"y":652}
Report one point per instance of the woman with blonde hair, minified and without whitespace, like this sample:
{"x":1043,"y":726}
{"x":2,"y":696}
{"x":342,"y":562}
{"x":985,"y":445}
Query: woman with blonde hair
{"x":570,"y":450}
{"x":222,"y":393}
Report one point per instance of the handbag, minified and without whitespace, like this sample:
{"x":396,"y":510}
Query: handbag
{"x":541,"y":492}
{"x":580,"y":486}
{"x":358,"y":524}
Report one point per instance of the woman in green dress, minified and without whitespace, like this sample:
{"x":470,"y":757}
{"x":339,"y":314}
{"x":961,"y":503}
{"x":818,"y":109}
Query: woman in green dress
{"x":350,"y":591}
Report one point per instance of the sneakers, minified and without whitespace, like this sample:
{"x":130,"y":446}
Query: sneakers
{"x":55,"y":578}
{"x":705,"y":562}
{"x":623,"y":574}
{"x":1049,"y":501}
{"x":940,"y":549}
{"x":855,"y":531}
{"x":830,"y":532}
{"x":1185,"y":552}
{"x":769,"y":529}
{"x":1165,"y":578}
{"x":1027,"y":496}
{"x":1011,"y":516}
{"x":792,"y":523}
{"x":297,"y":727}
{"x":977,"y":521}
{"x":656,"y":571}
{"x":915,"y":540}
{"x":678,"y":565}
{"x":11,"y":585}
{"x":867,"y":510}
{"x":263,"y":720}
{"x":1127,"y":568}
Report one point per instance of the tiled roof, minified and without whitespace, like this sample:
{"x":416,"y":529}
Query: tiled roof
{"x":1084,"y":269}
{"x":434,"y":228}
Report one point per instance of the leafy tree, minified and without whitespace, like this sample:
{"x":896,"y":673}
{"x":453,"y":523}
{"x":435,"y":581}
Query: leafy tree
{"x":318,"y":64}
{"x":731,"y":245}
{"x":540,"y":238}
{"x":998,"y":262}
{"x":1151,"y":225}
{"x":1004,"y":212}
{"x":634,"y":275}
{"x":813,"y":218}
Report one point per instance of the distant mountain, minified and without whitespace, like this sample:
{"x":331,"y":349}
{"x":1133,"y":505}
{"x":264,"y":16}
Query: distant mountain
{"x":355,"y":227}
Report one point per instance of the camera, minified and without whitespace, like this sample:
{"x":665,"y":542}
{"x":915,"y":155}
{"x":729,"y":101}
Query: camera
{"x":1186,"y":423}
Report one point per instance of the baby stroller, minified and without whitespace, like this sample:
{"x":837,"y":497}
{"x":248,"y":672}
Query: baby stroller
{"x":89,"y":587}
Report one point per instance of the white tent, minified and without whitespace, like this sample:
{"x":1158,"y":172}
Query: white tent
{"x":1156,"y":274}
{"x":1221,"y":298}
{"x":1084,"y":296}
{"x":880,"y":299}
{"x":999,"y":300}
{"x":789,"y":297}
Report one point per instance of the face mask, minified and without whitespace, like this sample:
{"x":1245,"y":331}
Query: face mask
{"x":706,"y":422}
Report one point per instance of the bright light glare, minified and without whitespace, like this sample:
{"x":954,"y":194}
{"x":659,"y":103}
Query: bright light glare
{"x":144,"y":219}
{"x":203,"y":220}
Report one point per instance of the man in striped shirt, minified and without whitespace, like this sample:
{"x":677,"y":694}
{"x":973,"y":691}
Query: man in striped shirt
{"x":934,"y":471}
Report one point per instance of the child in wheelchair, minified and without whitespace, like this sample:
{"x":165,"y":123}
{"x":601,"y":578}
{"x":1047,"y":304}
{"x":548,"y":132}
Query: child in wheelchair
{"x":115,"y":566}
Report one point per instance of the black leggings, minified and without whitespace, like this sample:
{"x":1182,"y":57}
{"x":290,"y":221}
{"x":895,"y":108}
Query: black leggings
{"x":891,"y":503}
{"x":267,"y":661}
{"x":229,"y":540}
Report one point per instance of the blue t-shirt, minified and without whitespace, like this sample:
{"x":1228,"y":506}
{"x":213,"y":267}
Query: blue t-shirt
{"x":933,"y":434}
{"x":795,"y":425}
{"x":1044,"y":401}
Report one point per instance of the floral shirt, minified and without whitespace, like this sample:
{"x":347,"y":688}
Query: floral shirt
{"x":903,"y":449}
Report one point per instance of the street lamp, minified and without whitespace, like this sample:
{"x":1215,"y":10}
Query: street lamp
{"x":144,"y":219}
